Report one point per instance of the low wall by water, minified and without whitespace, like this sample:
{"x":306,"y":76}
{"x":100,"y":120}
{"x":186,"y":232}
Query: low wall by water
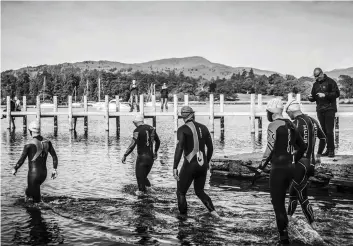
{"x":332,"y":171}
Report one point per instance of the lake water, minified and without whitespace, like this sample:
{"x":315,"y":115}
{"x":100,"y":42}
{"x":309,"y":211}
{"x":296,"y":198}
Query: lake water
{"x":92,"y":201}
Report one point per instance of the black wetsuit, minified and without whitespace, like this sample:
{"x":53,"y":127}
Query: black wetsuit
{"x":309,"y":129}
{"x":134,"y":97}
{"x":191,"y":169}
{"x":282,"y":139}
{"x":164,"y":98}
{"x":143,"y":137}
{"x":37,"y":152}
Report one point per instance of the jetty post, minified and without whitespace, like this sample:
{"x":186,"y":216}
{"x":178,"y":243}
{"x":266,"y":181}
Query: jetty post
{"x":70,"y":112}
{"x":106,"y":107}
{"x":24,"y":109}
{"x":38,"y":110}
{"x":259,"y":108}
{"x":186,"y":100}
{"x":290,"y":97}
{"x":117,"y":118}
{"x":298,"y":97}
{"x":85,"y":118}
{"x":142,"y":105}
{"x":337,"y":119}
{"x":55,"y":109}
{"x":252,"y":113}
{"x":221,"y":109}
{"x":8,"y":111}
{"x":175,"y":113}
{"x":154,"y":118}
{"x":212,"y":113}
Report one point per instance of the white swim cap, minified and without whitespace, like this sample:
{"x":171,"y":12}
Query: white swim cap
{"x":139,"y":118}
{"x":292,"y":106}
{"x":275,"y":105}
{"x":34,"y":126}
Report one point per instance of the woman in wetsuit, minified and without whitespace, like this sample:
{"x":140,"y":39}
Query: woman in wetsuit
{"x":309,"y":129}
{"x":282,"y":140}
{"x":193,"y":137}
{"x":37,"y":153}
{"x":144,"y":135}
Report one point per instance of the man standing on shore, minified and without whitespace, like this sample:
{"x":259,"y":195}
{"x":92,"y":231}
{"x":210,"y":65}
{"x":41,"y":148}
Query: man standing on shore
{"x":324,"y":93}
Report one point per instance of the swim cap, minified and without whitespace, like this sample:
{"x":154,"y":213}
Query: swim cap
{"x":292,"y":106}
{"x":34,"y":126}
{"x":275,"y":105}
{"x":187,"y":112}
{"x":139,"y":118}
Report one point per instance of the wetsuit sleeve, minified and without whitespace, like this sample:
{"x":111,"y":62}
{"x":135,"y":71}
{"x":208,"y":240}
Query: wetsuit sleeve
{"x":301,"y":146}
{"x":132,"y":144}
{"x":158,"y":142}
{"x":22,"y":158}
{"x":321,"y":135}
{"x":209,"y":146}
{"x":179,"y":148}
{"x":53,"y":155}
{"x":271,"y":139}
{"x":332,"y":95}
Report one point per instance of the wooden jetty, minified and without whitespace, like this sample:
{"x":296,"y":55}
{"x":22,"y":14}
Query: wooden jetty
{"x":256,"y":112}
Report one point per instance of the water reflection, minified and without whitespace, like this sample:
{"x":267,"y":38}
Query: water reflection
{"x":143,"y":210}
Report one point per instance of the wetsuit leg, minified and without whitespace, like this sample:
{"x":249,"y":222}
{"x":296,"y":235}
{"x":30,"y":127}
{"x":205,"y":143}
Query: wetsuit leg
{"x":199,"y":185}
{"x":300,"y":185}
{"x":144,"y":164}
{"x":293,"y":200}
{"x":185,"y":180}
{"x":279,"y":182}
{"x":34,"y":180}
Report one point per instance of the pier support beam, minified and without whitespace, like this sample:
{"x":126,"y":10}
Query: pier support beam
{"x":85,"y":118}
{"x":70,"y":112}
{"x":38,"y":111}
{"x":259,"y":107}
{"x":175,"y":113}
{"x":252,"y":113}
{"x":55,"y":100}
{"x":212,"y":113}
{"x":8,"y":112}
{"x":24,"y":109}
{"x":221,"y":109}
{"x":106,"y":105}
{"x":186,"y":100}
{"x":154,"y":119}
{"x":117,"y":119}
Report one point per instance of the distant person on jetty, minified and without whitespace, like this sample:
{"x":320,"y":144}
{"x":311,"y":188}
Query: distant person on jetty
{"x":192,"y":137}
{"x":143,"y":136}
{"x":164,"y":97}
{"x":13,"y":107}
{"x":324,"y":93}
{"x":17,"y":104}
{"x":309,"y":129}
{"x":37,"y":153}
{"x":134,"y":91}
{"x":282,"y":140}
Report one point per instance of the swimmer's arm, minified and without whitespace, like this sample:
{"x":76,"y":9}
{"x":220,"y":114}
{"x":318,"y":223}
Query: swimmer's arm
{"x":179,"y":148}
{"x":271,"y":139}
{"x":301,"y":146}
{"x":321,"y":135}
{"x":209,"y":146}
{"x":53,"y":155}
{"x":158,"y":142}
{"x":131,"y":147}
{"x":22,"y":158}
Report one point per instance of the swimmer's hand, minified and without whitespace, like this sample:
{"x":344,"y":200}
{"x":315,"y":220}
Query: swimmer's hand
{"x":54,"y":174}
{"x":175,"y":174}
{"x":123,"y":159}
{"x":14,"y":171}
{"x":155,"y":156}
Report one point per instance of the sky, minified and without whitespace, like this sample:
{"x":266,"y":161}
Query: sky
{"x":286,"y":37}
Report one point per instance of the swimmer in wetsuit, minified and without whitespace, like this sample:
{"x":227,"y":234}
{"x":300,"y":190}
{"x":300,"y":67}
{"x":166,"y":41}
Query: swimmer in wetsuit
{"x":144,"y":135}
{"x":192,"y":139}
{"x":309,"y":129}
{"x":37,"y":153}
{"x":282,"y":139}
{"x":134,"y":96}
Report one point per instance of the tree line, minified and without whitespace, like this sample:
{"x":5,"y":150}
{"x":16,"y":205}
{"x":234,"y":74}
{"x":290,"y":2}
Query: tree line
{"x":61,"y":82}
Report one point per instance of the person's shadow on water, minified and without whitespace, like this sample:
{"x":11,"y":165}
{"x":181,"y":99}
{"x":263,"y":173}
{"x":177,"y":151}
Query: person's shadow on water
{"x":40,"y":231}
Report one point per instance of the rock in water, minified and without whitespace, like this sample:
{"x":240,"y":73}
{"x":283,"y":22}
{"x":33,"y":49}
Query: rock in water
{"x":300,"y":230}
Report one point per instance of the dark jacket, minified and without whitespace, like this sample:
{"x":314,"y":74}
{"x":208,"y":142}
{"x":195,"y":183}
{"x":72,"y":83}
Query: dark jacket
{"x":164,"y":93}
{"x":329,"y":87}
